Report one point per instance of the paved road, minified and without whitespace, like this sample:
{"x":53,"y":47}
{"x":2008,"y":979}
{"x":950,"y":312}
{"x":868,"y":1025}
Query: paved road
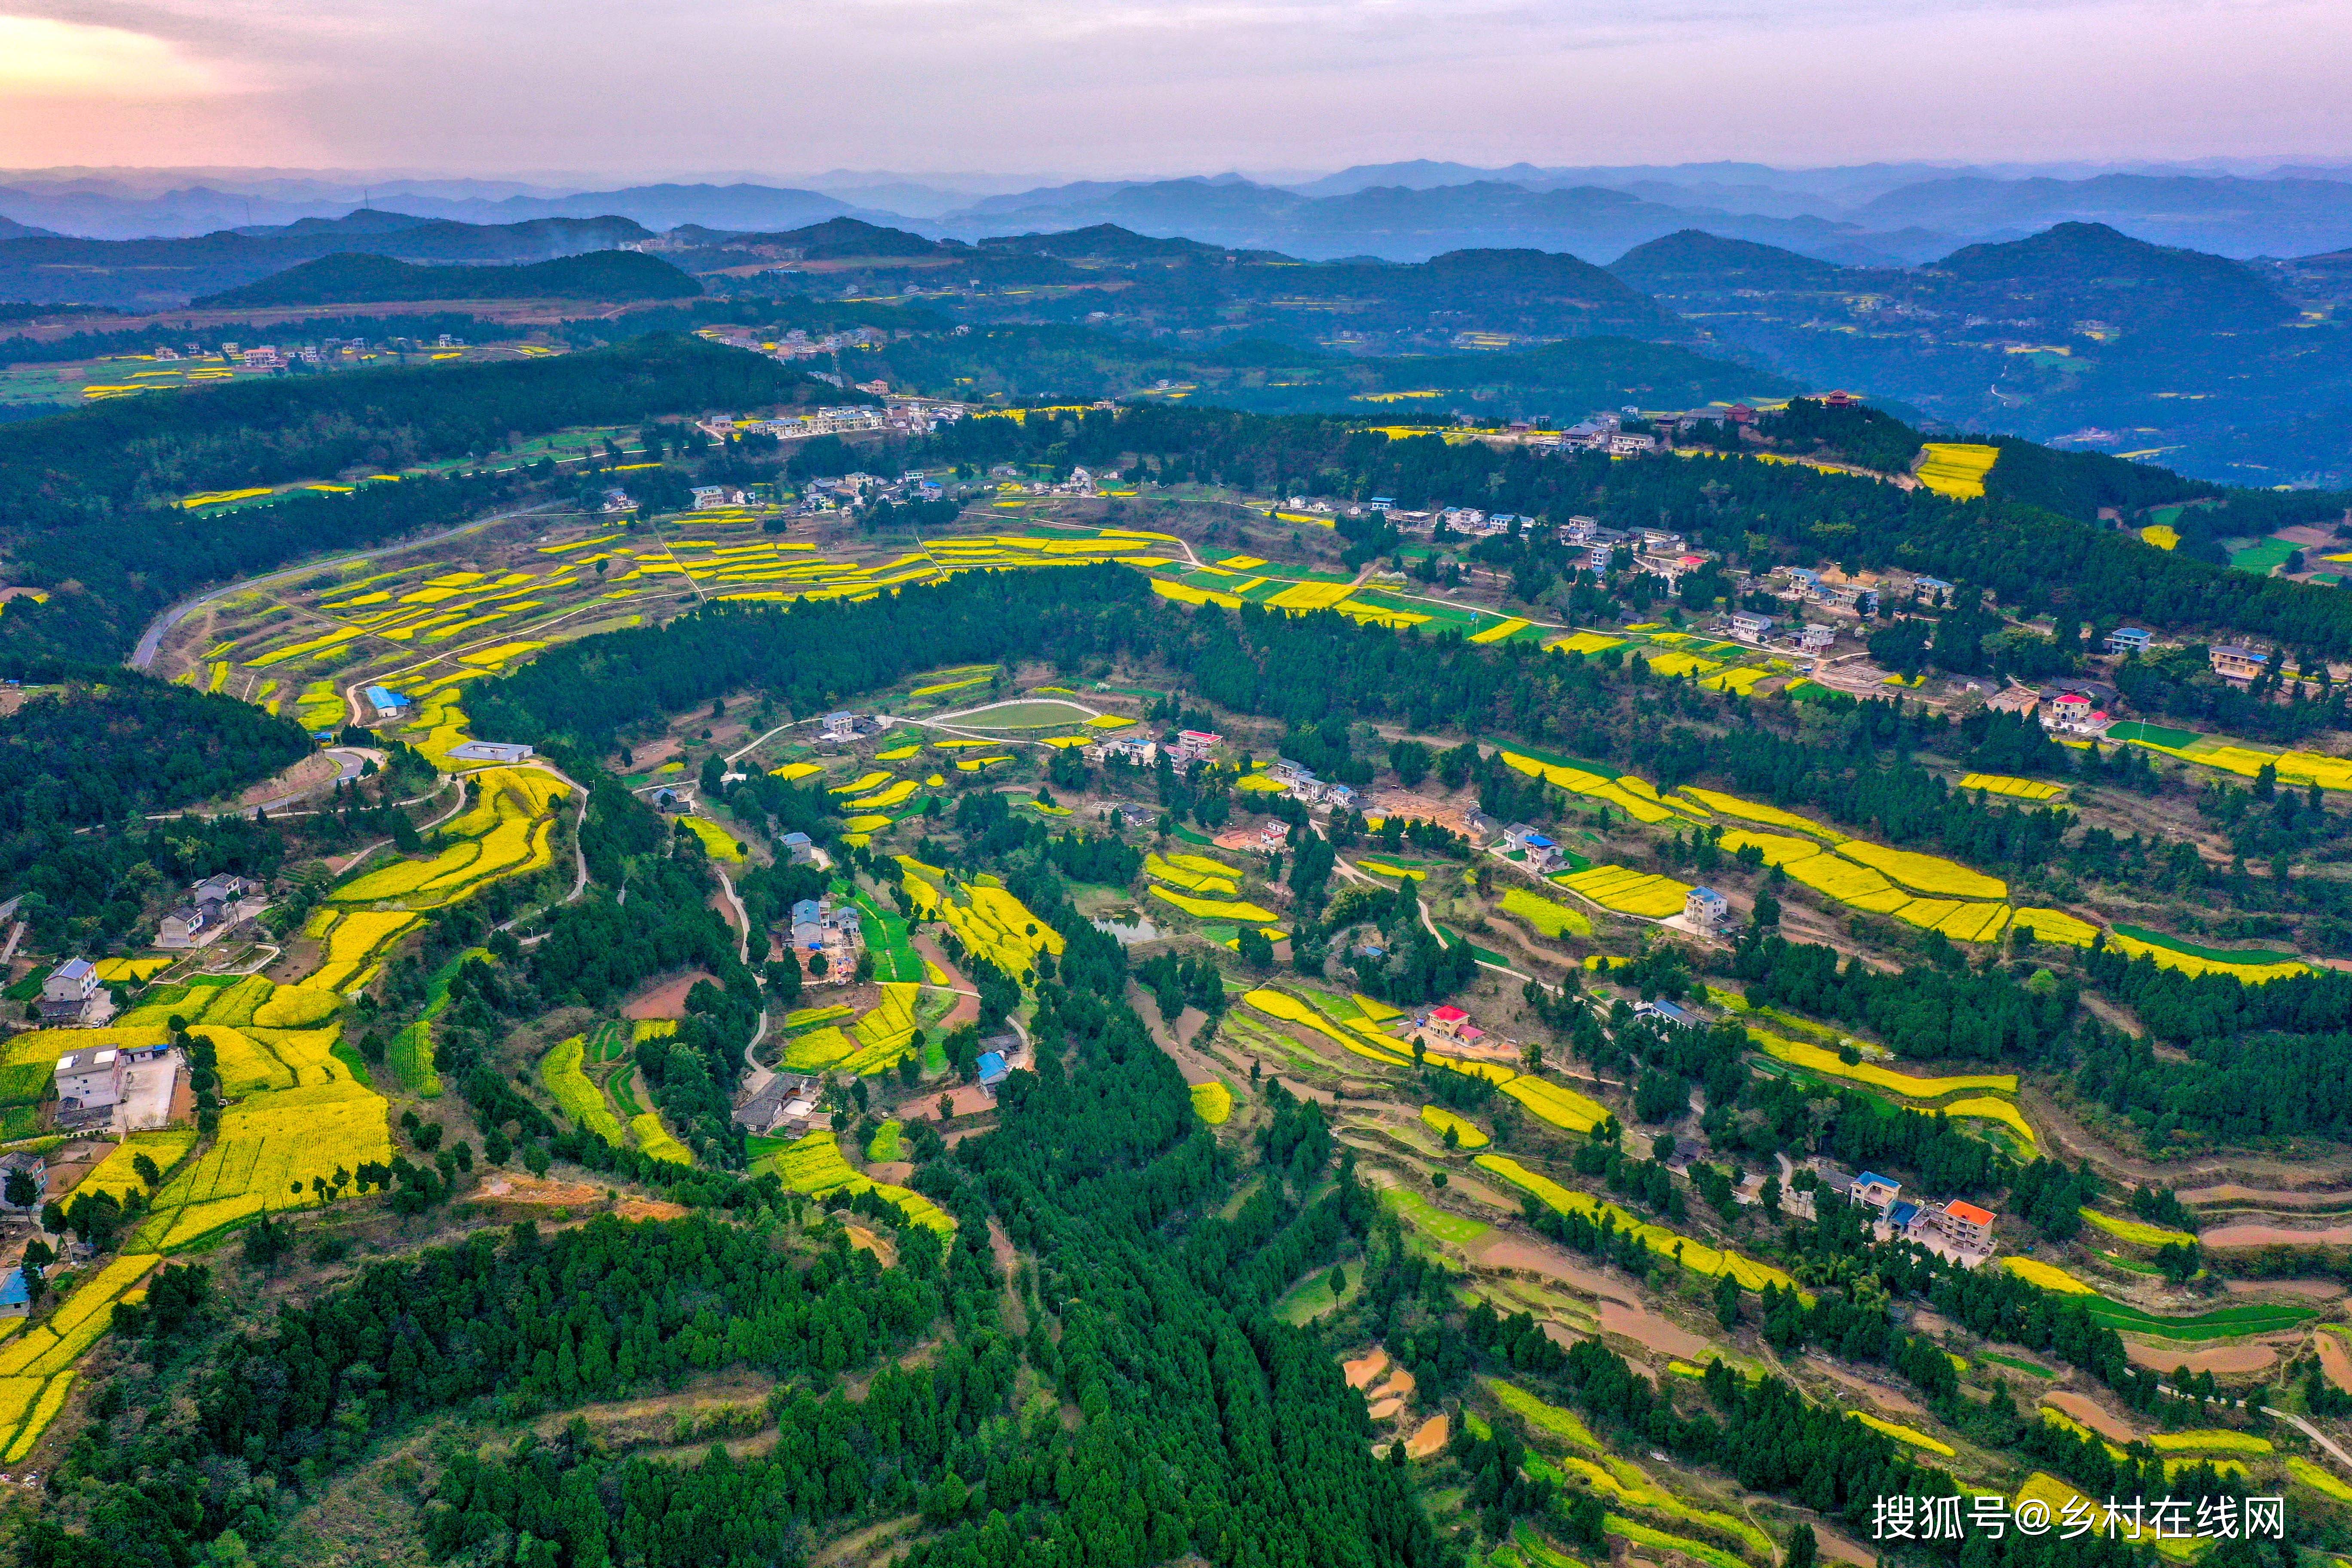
{"x":742,"y":916}
{"x":152,"y":640}
{"x":2316,"y":1436}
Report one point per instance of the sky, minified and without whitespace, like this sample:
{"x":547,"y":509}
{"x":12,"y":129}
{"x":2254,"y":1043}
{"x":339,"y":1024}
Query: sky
{"x":1140,"y":88}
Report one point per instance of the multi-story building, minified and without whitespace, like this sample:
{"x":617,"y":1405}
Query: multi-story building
{"x":2237,"y":661}
{"x":1195,"y":745}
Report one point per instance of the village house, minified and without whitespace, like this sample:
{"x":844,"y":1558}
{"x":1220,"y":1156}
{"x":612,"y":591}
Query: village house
{"x":2236,"y":661}
{"x":1706,"y":909}
{"x":1297,"y":777}
{"x":1448,"y":1021}
{"x":2019,"y":700}
{"x":89,"y":1079}
{"x":818,"y":928}
{"x":180,"y":927}
{"x":36,"y":1168}
{"x":2074,"y":712}
{"x":1962,"y":1224}
{"x":1194,"y":745}
{"x":1542,"y":853}
{"x":785,"y":1106}
{"x":1133,"y":749}
{"x":71,"y":996}
{"x":1874,"y":1191}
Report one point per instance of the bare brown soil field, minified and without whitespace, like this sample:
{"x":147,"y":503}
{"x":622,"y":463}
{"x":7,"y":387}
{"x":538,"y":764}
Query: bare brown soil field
{"x":1502,"y":1250}
{"x":2230,"y":1195}
{"x":2089,"y":1413}
{"x":2238,"y":1358}
{"x":2224,"y":1237}
{"x":1885,"y":1398}
{"x":1646,"y":1328}
{"x":542,"y":1192}
{"x":2334,"y":1359}
{"x":666,"y":999}
{"x":1836,"y":1548}
{"x":2313,"y":1289}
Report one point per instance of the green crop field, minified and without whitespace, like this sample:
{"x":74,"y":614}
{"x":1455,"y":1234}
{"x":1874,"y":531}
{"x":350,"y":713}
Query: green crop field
{"x":2210,"y":954}
{"x":1040,"y":715}
{"x":2222,"y":1323}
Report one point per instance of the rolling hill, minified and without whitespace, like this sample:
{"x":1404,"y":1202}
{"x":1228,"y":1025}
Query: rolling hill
{"x":162,"y":273}
{"x":354,"y":278}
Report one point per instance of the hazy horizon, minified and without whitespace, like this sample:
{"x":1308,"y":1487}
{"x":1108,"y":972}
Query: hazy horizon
{"x":1132,"y":89}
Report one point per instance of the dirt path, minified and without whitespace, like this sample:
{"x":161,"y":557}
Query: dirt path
{"x":860,"y":1546}
{"x":966,"y":1007}
{"x":1008,"y":1260}
{"x":1197,"y":1066}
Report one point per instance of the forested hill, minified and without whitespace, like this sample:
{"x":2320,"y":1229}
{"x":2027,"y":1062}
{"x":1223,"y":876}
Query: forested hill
{"x":149,"y":450}
{"x":2035,"y":559}
{"x":817,"y":653}
{"x":86,"y":497}
{"x":354,"y":278}
{"x":80,"y":757}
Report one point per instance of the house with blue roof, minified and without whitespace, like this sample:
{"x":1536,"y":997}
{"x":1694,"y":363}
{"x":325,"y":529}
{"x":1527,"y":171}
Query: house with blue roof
{"x":1878,"y":1192}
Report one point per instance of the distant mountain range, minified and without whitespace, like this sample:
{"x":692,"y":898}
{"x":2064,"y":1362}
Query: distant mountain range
{"x":1870,"y":215}
{"x":1398,"y":223}
{"x":152,"y":274}
{"x":106,"y":215}
{"x":2078,"y":334}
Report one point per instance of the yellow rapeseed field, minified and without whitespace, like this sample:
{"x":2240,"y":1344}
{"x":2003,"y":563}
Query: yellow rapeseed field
{"x":2049,"y":1277}
{"x":2019,"y":789}
{"x":1628,"y":891}
{"x":1956,"y":469}
{"x":1930,"y":874}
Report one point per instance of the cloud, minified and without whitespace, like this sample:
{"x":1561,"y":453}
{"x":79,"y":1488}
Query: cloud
{"x":1131,"y":87}
{"x":45,"y":56}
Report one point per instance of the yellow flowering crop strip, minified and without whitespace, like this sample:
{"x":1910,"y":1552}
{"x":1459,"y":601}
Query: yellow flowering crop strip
{"x":1694,"y":1254}
{"x":2015,"y":788}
